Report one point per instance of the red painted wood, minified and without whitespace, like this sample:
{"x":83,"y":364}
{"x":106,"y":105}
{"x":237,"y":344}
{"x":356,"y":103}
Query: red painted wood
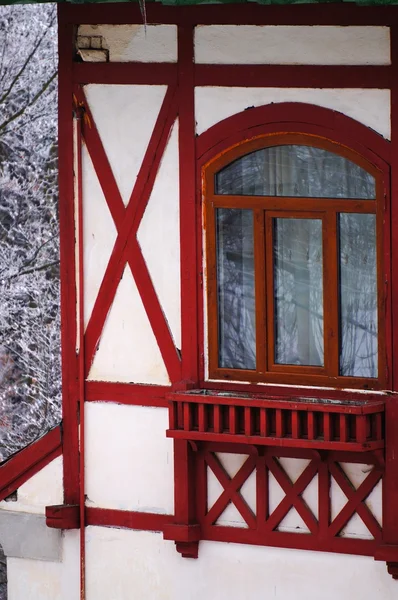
{"x":282,"y":539}
{"x":29,"y":461}
{"x":292,"y":496}
{"x":64,"y":516}
{"x":67,"y":269}
{"x":125,"y":73}
{"x":107,"y":517}
{"x":126,"y":393}
{"x":231,"y":487}
{"x":294,"y":76}
{"x":294,"y":117}
{"x":355,"y":501}
{"x":286,"y":442}
{"x":390,"y":480}
{"x":233,"y":13}
{"x":188,"y":207}
{"x":81,"y":364}
{"x":126,"y":246}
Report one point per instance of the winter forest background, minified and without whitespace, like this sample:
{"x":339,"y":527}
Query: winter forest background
{"x":30,"y":380}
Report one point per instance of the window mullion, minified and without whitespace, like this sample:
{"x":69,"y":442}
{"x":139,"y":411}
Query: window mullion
{"x":260,"y":290}
{"x":331,"y":295}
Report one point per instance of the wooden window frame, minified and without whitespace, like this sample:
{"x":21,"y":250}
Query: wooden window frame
{"x":264,"y":209}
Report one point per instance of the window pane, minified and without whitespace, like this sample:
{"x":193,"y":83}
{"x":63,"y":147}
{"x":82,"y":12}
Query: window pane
{"x":235,"y":289}
{"x":302,"y":171}
{"x":298,"y":291}
{"x":358,"y":295}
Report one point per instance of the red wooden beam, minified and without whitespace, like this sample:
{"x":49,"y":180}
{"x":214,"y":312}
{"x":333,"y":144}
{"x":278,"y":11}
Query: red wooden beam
{"x":227,"y":14}
{"x":294,"y":76}
{"x":127,"y":393}
{"x":125,"y":73}
{"x":29,"y":461}
{"x":107,"y":517}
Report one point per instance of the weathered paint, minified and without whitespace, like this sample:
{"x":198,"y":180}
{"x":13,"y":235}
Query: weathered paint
{"x":145,"y":563}
{"x":137,"y":43}
{"x":125,"y":117}
{"x":159,"y":235}
{"x":135,"y":470}
{"x":370,"y":107}
{"x":292,"y":45}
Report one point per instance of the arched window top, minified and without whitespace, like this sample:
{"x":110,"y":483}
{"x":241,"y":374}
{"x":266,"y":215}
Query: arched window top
{"x":293,"y":170}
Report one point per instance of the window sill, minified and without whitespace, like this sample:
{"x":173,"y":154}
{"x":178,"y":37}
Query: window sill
{"x":301,"y":422}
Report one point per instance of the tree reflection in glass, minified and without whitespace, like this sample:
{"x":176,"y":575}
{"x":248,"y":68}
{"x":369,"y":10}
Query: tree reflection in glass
{"x":235,"y":289}
{"x":298,"y":291}
{"x":358,"y":295}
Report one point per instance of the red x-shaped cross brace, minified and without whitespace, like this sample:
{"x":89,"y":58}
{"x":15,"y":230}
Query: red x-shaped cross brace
{"x":293,"y":493}
{"x":127,"y":221}
{"x":356,"y":501}
{"x":231,"y":486}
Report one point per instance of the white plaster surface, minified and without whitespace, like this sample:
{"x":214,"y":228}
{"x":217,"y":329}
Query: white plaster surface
{"x":35,"y":580}
{"x":136,"y":43}
{"x":370,"y":107}
{"x":70,"y":574}
{"x":128,"y":350}
{"x":99,"y":234}
{"x":292,"y":45}
{"x":43,"y":489}
{"x":144,"y":566}
{"x":125,"y":116}
{"x":159,"y":236}
{"x":129,"y":460}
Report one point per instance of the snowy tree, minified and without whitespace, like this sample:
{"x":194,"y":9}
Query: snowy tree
{"x":30,"y":379}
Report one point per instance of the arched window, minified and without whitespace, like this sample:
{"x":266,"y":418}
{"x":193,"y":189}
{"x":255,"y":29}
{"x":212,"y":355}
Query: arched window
{"x":294,"y":264}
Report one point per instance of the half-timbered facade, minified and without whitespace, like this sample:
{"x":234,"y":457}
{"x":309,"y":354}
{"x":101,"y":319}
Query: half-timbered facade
{"x":228,"y":207}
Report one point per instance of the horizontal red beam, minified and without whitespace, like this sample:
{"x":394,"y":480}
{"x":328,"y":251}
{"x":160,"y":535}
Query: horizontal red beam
{"x":128,"y":73}
{"x":29,"y":461}
{"x":294,"y":76}
{"x":224,"y":14}
{"x":286,"y":442}
{"x":126,"y":393}
{"x":144,"y":521}
{"x":282,"y":539}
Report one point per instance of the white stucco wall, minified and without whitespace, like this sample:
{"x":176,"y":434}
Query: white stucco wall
{"x":146,"y":566}
{"x":370,"y":107}
{"x":292,"y":45}
{"x":129,"y":460}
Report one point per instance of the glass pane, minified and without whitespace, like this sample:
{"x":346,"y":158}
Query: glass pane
{"x":358,"y":295}
{"x":302,"y":171}
{"x":235,"y":289}
{"x":298,"y":290}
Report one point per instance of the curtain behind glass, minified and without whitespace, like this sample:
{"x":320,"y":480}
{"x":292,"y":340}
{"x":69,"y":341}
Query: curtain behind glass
{"x":235,"y":289}
{"x":298,"y":171}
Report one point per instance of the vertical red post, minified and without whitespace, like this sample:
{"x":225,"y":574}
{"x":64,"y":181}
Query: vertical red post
{"x":188,"y":233}
{"x":389,"y":550}
{"x":70,"y":389}
{"x":185,"y":530}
